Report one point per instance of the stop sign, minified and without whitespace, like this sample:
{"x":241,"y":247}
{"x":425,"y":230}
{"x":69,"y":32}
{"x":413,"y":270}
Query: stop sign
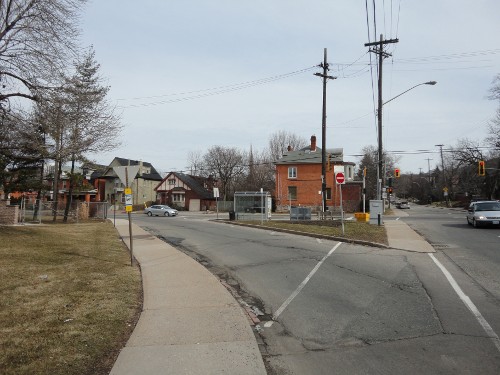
{"x":340,"y":178}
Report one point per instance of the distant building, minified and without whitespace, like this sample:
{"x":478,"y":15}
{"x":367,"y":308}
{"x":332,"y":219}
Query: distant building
{"x":142,"y":184}
{"x":298,"y":179}
{"x":183,"y":191}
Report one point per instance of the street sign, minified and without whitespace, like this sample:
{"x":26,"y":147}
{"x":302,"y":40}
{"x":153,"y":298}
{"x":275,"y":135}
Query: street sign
{"x":216,"y":192}
{"x":122,"y":172}
{"x":340,"y":178}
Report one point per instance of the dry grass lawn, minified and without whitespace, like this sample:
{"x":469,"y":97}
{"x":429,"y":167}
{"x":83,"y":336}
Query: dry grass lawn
{"x":353,"y":230}
{"x":69,"y":298}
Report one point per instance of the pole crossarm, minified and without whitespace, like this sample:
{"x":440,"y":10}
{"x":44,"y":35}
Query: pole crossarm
{"x":381,"y":42}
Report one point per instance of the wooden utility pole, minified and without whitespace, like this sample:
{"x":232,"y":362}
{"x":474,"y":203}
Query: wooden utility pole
{"x":379,"y":50}
{"x":325,"y":77}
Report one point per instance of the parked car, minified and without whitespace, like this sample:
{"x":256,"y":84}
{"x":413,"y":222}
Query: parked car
{"x":483,"y":213}
{"x":160,"y":210}
{"x":402,"y":205}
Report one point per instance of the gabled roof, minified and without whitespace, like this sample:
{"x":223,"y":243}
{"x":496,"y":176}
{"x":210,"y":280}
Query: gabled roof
{"x":306,"y":156}
{"x":195,"y":183}
{"x":122,"y":162}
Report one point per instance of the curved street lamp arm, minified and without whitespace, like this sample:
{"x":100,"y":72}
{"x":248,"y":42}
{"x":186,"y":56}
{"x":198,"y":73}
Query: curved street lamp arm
{"x":411,"y":88}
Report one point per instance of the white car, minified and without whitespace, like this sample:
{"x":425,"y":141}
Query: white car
{"x":483,"y":213}
{"x":160,"y":210}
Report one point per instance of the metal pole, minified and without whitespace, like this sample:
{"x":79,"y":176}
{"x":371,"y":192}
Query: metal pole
{"x":323,"y":138}
{"x":261,"y":206}
{"x":130,"y":225}
{"x":341,"y":209}
{"x":364,"y":192}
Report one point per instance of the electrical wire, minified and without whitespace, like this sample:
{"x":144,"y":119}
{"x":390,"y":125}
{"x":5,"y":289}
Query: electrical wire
{"x":226,"y":88}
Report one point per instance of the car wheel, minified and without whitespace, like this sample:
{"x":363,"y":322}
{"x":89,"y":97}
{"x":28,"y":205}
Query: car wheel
{"x":150,"y":213}
{"x":167,"y":214}
{"x":468,"y":221}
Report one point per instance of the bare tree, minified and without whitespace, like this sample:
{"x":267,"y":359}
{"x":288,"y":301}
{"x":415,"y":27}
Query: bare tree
{"x":36,"y":39}
{"x":78,"y":120}
{"x":226,"y":164}
{"x":279,"y":142}
{"x":196,"y":163}
{"x":92,"y":123}
{"x":261,"y":172}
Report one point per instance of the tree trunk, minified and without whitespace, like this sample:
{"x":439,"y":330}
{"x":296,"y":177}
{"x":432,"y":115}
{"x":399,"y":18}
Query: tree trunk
{"x":38,"y":194}
{"x":70,"y":192}
{"x":57,"y":174}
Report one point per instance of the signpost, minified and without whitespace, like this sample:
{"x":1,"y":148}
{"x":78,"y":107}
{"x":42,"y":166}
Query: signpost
{"x":340,"y":180}
{"x":216,"y":196}
{"x":125,"y":174}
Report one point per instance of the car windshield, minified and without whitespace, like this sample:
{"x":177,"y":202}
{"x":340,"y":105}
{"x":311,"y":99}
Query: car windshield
{"x":488,"y":206}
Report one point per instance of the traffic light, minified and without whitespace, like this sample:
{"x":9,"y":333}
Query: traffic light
{"x":397,"y":173}
{"x":389,"y":181}
{"x":389,"y":190}
{"x":481,"y":168}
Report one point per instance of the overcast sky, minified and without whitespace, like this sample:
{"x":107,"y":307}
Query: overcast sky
{"x":192,"y":74}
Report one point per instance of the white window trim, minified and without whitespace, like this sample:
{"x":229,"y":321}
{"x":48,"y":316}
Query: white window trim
{"x":292,"y":169}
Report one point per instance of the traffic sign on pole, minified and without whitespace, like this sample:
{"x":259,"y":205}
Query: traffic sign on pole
{"x":340,"y":178}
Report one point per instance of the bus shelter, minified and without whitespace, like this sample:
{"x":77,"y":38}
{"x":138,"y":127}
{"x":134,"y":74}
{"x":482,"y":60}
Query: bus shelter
{"x":252,"y":205}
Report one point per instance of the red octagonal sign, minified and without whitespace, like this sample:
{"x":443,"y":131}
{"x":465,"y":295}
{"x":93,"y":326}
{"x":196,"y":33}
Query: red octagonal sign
{"x":340,"y":178}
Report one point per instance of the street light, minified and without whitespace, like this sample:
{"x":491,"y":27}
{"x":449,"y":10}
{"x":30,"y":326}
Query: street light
{"x":432,"y":83}
{"x":380,"y":177}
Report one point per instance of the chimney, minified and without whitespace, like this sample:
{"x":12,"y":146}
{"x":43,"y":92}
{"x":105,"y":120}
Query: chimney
{"x":289,"y":148}
{"x":313,"y":143}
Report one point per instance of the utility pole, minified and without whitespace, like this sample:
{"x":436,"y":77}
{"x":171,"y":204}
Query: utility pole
{"x":379,"y":50}
{"x":445,"y":189}
{"x":429,"y":168}
{"x":325,"y":77}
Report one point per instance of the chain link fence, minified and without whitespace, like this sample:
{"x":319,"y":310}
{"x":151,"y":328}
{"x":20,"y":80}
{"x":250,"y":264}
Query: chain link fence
{"x":36,"y":212}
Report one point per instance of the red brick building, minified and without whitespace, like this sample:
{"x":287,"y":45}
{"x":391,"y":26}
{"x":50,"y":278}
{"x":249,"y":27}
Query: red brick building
{"x":298,"y":179}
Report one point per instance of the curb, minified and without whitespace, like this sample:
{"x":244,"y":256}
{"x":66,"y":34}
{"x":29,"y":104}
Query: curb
{"x":314,"y":235}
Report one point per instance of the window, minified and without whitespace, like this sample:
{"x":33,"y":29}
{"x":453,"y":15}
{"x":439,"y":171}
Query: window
{"x":328,"y":193}
{"x":171,"y":181}
{"x":292,"y":172}
{"x":292,"y":192}
{"x":178,"y":197}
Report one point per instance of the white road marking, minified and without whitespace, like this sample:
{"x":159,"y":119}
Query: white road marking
{"x":300,"y":287}
{"x":470,"y":305}
{"x":319,"y":240}
{"x":397,"y":218}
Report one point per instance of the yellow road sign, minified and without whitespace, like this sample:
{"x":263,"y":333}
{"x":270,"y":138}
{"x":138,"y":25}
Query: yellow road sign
{"x":128,"y":208}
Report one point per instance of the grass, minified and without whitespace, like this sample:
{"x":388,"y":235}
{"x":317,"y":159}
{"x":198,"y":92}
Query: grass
{"x":353,"y":230}
{"x":69,"y":298}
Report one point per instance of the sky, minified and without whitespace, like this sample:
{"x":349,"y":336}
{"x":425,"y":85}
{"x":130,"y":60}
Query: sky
{"x":189,"y":75}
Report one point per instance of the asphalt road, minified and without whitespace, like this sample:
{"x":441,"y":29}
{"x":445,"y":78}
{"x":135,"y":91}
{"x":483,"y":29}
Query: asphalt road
{"x":341,"y":308}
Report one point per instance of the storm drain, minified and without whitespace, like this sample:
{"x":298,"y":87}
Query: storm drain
{"x":438,"y":246}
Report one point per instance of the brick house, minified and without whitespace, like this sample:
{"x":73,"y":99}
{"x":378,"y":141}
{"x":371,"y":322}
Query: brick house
{"x":194,"y":193}
{"x":298,"y":179}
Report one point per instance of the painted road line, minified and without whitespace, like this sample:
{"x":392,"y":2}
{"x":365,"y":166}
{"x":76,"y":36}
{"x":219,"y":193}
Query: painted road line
{"x":300,"y":287}
{"x":470,"y":305}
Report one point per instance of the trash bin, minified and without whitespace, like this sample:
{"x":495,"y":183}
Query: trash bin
{"x":232,"y":215}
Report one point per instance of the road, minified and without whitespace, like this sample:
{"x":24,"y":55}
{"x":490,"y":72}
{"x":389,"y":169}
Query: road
{"x":346,"y":309}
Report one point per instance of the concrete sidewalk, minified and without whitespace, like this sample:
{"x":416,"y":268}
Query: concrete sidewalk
{"x":190,"y":323}
{"x":402,"y":237}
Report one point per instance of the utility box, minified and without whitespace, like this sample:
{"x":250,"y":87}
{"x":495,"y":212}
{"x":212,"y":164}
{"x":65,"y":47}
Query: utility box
{"x":376,"y":212}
